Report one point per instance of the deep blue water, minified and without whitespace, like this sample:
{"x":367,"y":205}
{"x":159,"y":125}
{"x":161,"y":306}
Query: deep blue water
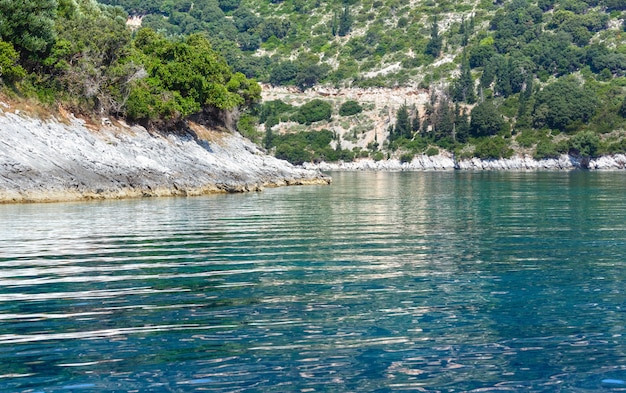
{"x":436,"y":282}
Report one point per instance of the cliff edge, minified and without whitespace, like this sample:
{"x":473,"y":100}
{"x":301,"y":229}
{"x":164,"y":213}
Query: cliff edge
{"x":71,"y":159}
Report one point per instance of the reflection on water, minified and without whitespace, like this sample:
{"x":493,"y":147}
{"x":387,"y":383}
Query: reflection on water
{"x":439,"y":282}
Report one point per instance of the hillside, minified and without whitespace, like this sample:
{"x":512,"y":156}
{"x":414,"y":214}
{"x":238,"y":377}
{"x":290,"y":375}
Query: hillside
{"x":493,"y":79}
{"x":341,"y":79}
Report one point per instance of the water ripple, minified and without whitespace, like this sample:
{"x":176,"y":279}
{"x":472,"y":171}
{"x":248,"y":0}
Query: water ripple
{"x":436,"y":282}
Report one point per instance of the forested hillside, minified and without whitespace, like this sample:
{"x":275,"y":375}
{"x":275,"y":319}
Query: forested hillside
{"x":542,"y":77}
{"x":545,"y":77}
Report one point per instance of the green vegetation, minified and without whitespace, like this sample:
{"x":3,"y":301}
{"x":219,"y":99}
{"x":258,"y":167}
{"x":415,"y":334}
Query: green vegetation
{"x":350,"y":108}
{"x":313,"y":111}
{"x":81,"y":53}
{"x":309,"y":146}
{"x":545,"y":76}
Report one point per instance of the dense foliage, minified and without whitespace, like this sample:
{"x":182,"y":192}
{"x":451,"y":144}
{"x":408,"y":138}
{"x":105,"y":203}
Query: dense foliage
{"x":82,"y":53}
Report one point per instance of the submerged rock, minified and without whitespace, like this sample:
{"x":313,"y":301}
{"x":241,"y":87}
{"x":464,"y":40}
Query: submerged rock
{"x":66,"y":160}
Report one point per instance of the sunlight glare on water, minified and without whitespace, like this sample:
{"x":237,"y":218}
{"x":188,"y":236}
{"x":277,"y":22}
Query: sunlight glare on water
{"x":437,"y":282}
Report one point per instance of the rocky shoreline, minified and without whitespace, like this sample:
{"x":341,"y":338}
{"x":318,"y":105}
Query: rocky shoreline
{"x":449,"y":163}
{"x":71,"y":159}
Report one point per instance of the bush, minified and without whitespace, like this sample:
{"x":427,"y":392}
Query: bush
{"x":247,"y":126}
{"x":493,"y":148}
{"x":10,"y":70}
{"x":312,"y":111}
{"x":406,"y":157}
{"x":271,"y":111}
{"x":295,"y":154}
{"x":432,"y":151}
{"x":350,"y":108}
{"x":378,"y":156}
{"x":545,"y":149}
{"x":585,"y":144}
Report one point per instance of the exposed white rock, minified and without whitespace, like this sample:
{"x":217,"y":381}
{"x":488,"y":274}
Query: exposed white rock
{"x":53,"y":160}
{"x":447,"y":162}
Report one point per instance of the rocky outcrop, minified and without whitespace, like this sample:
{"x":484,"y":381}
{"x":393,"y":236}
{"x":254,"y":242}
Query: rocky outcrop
{"x":447,"y":162}
{"x":54,"y":160}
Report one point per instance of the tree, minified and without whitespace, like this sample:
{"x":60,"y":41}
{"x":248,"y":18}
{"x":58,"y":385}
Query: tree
{"x":463,"y":89}
{"x":564,"y":102}
{"x":415,"y":123}
{"x":283,"y":73}
{"x":433,"y":47}
{"x":309,"y":75}
{"x":345,"y":22}
{"x":403,"y":124}
{"x":443,"y":120}
{"x":485,"y":120}
{"x":28,"y":24}
{"x":185,"y":78}
{"x":274,"y":27}
{"x":462,"y":126}
{"x":229,"y":5}
{"x":479,"y":55}
{"x":92,"y":39}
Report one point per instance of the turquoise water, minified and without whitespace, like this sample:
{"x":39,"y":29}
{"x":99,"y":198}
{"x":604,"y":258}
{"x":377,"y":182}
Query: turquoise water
{"x":436,"y":282}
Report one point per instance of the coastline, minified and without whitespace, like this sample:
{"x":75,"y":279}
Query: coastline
{"x":449,"y":163}
{"x":70,"y":159}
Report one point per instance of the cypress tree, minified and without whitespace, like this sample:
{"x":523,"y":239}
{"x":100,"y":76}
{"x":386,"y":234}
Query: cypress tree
{"x":464,"y":87}
{"x":433,"y":47}
{"x":403,"y":124}
{"x":415,"y":124}
{"x":345,"y":22}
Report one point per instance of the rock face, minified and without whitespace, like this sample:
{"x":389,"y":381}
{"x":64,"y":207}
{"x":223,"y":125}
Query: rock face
{"x":447,"y":162}
{"x":52,"y":161}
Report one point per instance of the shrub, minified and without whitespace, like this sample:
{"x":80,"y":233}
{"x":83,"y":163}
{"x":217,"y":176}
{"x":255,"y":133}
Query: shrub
{"x":312,"y":111}
{"x":378,"y":156}
{"x":247,"y":126}
{"x":585,"y":144}
{"x":350,"y":108}
{"x":273,"y":109}
{"x":545,"y":149}
{"x":432,"y":151}
{"x":295,"y":154}
{"x":493,"y":148}
{"x":10,"y":70}
{"x":406,"y":157}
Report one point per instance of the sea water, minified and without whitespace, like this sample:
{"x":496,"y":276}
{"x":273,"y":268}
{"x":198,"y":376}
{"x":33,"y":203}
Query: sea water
{"x":381,"y":282}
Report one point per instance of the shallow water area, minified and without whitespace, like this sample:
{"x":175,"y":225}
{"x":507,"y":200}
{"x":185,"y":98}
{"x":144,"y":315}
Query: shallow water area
{"x":381,"y":282}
